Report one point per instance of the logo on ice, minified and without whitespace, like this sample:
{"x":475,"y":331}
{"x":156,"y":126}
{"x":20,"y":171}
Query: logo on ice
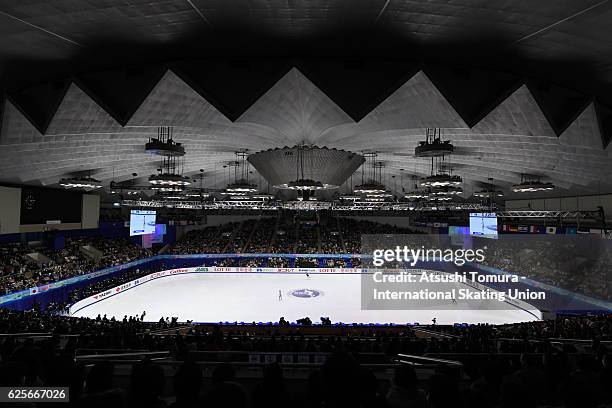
{"x":305,"y":293}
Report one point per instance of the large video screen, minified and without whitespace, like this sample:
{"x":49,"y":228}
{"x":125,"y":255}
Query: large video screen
{"x":142,"y":222}
{"x":41,"y":205}
{"x":483,"y":225}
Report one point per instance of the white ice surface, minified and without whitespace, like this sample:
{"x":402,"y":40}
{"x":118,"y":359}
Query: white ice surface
{"x":253,"y":297}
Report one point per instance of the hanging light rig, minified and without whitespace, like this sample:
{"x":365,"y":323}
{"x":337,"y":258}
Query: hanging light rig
{"x":350,"y":195}
{"x":131,"y":191}
{"x":164,"y":144}
{"x":372,"y":189}
{"x":434,"y":145}
{"x":198,"y":193}
{"x":441,"y":184}
{"x":531,"y":184}
{"x":169,"y":180}
{"x":489,"y":194}
{"x":86,"y":183}
{"x":416,"y":193}
{"x":169,"y":177}
{"x":241,"y":188}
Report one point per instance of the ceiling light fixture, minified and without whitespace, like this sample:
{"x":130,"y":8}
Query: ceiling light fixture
{"x":447,"y":191}
{"x":433,"y":145}
{"x":440,"y":180}
{"x":530,"y":184}
{"x":83,"y":183}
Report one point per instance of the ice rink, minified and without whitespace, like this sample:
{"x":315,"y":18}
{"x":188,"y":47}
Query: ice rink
{"x":254,"y":297}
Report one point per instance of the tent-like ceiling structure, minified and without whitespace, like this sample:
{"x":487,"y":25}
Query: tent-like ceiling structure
{"x":514,"y":137}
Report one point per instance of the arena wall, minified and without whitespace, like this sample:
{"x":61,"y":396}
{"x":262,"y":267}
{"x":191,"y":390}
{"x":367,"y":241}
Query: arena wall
{"x":91,"y":211}
{"x":10,"y":207}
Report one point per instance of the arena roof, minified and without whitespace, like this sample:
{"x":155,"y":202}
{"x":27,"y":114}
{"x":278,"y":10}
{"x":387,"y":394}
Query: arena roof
{"x":519,"y":87}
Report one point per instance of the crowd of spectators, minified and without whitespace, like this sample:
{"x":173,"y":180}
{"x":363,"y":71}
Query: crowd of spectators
{"x":277,"y":262}
{"x":533,"y":371}
{"x":335,"y":263}
{"x":283,"y":239}
{"x":262,"y":236}
{"x":288,"y":235}
{"x":578,"y":265}
{"x":210,"y":240}
{"x":23,"y":266}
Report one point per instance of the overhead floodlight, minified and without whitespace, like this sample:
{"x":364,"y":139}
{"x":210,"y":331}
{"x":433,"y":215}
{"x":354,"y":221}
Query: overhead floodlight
{"x":447,"y":191}
{"x":83,"y":183}
{"x":350,"y":197}
{"x":370,"y":188}
{"x":415,"y":194}
{"x":168,"y":179}
{"x":440,"y":180}
{"x":240,"y":188}
{"x":167,"y":189}
{"x":240,"y":197}
{"x":306,"y":185}
{"x":262,"y":196}
{"x":197,"y":194}
{"x":532,"y":186}
{"x":489,"y":193}
{"x":385,"y":194}
{"x":237,"y":194}
{"x":433,"y":197}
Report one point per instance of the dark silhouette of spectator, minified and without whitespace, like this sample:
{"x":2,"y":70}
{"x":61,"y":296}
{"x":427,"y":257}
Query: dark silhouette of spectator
{"x":404,"y":391}
{"x":187,"y":386}
{"x":12,"y":373}
{"x":578,"y":391}
{"x":224,"y":372}
{"x":147,"y":386}
{"x":100,"y":377}
{"x":227,"y":394}
{"x":368,"y":389}
{"x":532,"y":378}
{"x":443,"y":392}
{"x":271,"y":392}
{"x":514,"y":393}
{"x":487,"y":387}
{"x":60,"y":370}
{"x":339,"y":374}
{"x":605,"y":379}
{"x":99,"y":390}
